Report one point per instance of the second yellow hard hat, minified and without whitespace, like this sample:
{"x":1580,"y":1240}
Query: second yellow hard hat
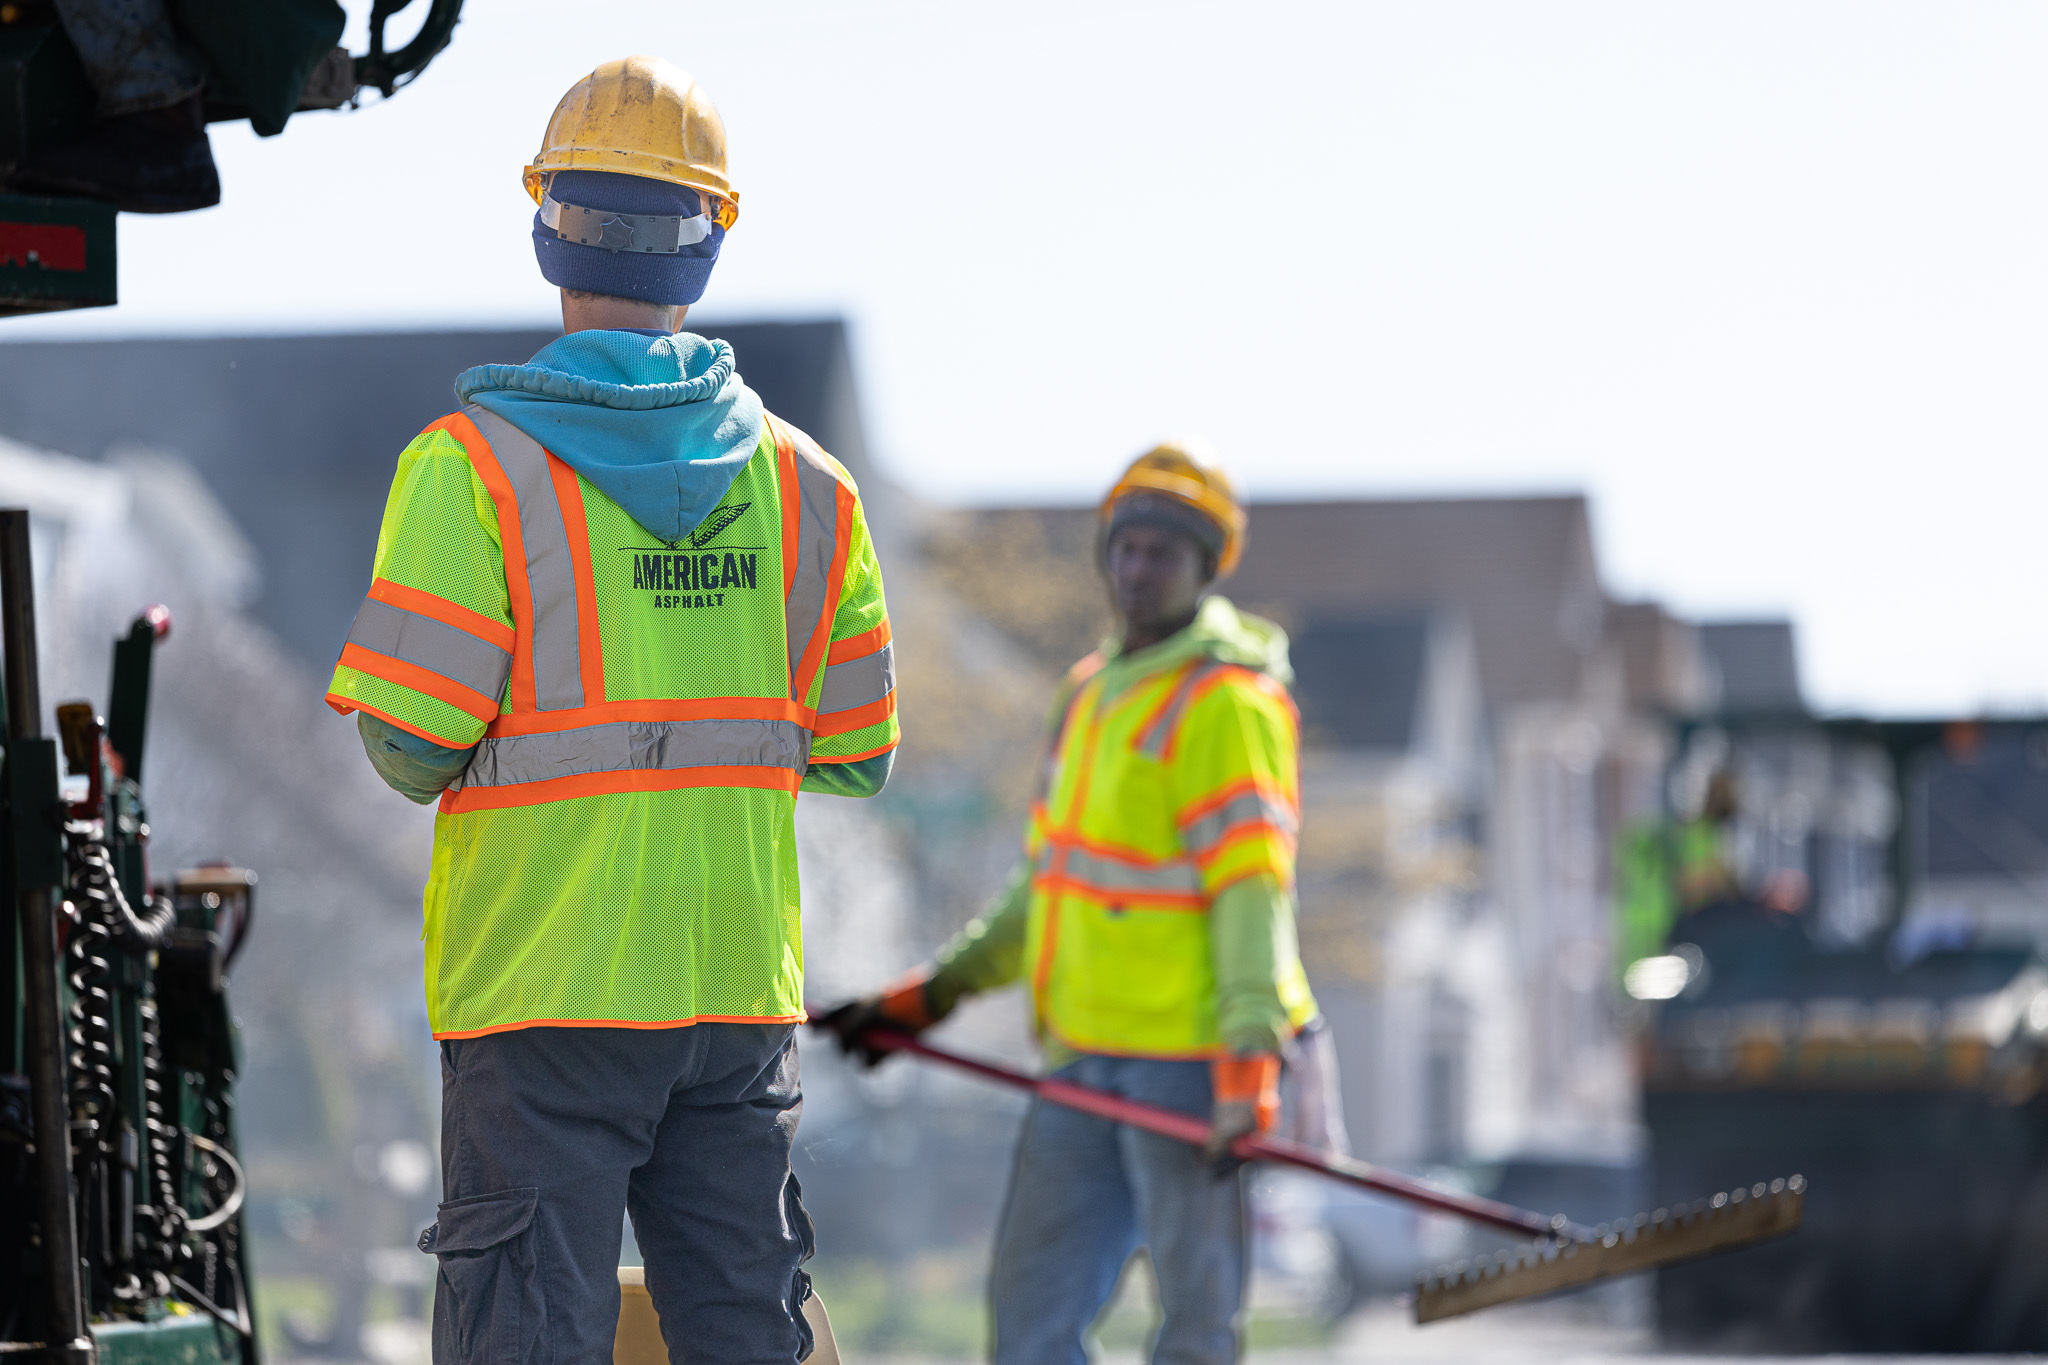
{"x":1184,"y":472}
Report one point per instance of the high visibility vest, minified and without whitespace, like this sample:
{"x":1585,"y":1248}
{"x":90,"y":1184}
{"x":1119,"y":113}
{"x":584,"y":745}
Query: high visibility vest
{"x":1183,"y":784}
{"x":620,"y":850}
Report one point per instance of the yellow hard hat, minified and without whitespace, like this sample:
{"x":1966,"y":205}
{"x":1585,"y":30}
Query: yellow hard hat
{"x":1184,"y":472}
{"x":639,"y":116}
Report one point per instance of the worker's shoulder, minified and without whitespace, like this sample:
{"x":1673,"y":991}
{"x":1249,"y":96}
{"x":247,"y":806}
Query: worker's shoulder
{"x":450,"y":435}
{"x":1220,"y":687}
{"x":810,"y":452}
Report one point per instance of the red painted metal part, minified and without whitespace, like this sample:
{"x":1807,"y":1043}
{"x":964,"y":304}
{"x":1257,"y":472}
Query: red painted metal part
{"x":1258,"y":1147}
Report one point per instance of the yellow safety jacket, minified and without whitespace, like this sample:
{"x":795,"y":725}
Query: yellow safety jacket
{"x":620,"y":850}
{"x":1157,"y":799}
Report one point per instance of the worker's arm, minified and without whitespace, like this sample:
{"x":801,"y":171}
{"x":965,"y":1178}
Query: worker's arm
{"x":417,"y":769}
{"x":862,"y":777}
{"x":431,"y":646}
{"x":988,"y":953}
{"x":853,"y":741}
{"x":1251,"y":932}
{"x":1235,"y":777}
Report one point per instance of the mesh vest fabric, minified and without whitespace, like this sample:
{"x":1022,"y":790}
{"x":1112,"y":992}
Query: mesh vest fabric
{"x":1157,"y":799}
{"x":620,"y":851}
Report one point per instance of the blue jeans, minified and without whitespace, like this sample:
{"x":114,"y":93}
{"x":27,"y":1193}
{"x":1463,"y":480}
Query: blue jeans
{"x":549,"y":1136}
{"x":1086,"y":1193}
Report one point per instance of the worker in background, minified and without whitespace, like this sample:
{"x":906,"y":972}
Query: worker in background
{"x":1152,"y":919}
{"x":1667,"y":869}
{"x":619,"y":616}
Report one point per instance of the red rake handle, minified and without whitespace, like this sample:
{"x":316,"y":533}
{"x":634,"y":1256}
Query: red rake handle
{"x":1257,"y":1147}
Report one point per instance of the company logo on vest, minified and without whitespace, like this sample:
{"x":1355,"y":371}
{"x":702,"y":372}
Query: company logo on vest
{"x":692,"y":580}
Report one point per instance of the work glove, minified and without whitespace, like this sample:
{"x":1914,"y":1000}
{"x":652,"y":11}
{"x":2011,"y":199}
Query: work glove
{"x":904,"y":1007}
{"x":1245,"y":1100}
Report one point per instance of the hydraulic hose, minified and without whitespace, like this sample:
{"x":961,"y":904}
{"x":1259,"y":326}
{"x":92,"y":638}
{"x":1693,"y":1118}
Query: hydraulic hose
{"x":96,"y":891}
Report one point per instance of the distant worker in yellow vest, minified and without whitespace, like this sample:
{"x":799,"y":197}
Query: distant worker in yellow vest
{"x":1152,"y":918}
{"x":1665,"y":869}
{"x":619,"y":616}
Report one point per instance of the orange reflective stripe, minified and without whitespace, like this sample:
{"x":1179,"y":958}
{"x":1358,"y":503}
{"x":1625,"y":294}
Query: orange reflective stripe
{"x":658,"y":709}
{"x":1244,"y":834}
{"x":859,"y":718}
{"x":875,"y":752}
{"x":1224,"y":795}
{"x":345,"y":705}
{"x":858,"y":646}
{"x":510,"y":539}
{"x":442,"y":610}
{"x":796,"y":1018}
{"x":611,"y":784}
{"x":589,"y":648}
{"x":792,"y":505}
{"x":1172,"y":695}
{"x":1067,"y":838}
{"x":821,"y":635}
{"x":1192,"y":901}
{"x":1221,"y":676}
{"x":1049,"y":940}
{"x":412,"y":676}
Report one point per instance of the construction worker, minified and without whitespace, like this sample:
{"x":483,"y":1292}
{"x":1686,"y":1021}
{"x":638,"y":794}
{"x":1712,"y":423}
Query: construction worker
{"x":1153,"y":919}
{"x":1666,"y":869}
{"x":620,"y":615}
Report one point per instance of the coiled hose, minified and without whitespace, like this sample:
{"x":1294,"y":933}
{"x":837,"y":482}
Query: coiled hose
{"x":96,"y":891}
{"x":105,"y":920}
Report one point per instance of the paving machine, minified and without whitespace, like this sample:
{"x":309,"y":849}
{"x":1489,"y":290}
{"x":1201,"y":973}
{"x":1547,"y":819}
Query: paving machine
{"x":262,"y":62}
{"x":1888,"y":1038}
{"x":121,"y":1193}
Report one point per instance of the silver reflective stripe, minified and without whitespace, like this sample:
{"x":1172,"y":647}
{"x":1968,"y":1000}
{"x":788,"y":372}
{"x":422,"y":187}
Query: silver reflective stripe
{"x":433,"y":645}
{"x":1202,"y":834}
{"x":1112,"y":877}
{"x":1160,"y":733}
{"x":817,"y":540}
{"x":858,"y":682}
{"x":639,"y":746}
{"x":661,"y":233}
{"x":550,"y":573}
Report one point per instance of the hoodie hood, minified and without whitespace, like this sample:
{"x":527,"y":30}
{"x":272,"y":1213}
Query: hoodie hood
{"x":1219,"y":631}
{"x":659,"y":424}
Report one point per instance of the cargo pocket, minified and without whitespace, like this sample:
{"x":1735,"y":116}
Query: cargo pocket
{"x":488,"y":1306}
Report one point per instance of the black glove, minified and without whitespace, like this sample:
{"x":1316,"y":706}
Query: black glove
{"x":902,"y":1009}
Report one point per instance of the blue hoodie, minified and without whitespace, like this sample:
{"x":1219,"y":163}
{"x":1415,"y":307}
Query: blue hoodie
{"x":661,"y":424}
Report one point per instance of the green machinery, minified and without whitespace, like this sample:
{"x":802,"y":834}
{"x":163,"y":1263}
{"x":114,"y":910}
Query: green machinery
{"x":265,"y":61}
{"x":121,"y":1225}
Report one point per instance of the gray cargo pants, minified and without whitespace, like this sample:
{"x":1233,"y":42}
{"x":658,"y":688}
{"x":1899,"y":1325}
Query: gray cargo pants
{"x":550,"y":1135}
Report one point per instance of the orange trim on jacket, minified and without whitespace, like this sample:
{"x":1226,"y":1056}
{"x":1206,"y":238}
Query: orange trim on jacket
{"x":858,"y":646}
{"x":423,"y":681}
{"x":796,"y":1018}
{"x":442,"y":610}
{"x":512,"y":542}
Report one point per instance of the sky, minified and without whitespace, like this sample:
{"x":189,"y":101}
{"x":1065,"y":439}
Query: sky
{"x":1767,"y":281}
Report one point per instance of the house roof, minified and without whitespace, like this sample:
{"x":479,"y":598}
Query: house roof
{"x":1757,"y":663}
{"x":298,"y":435}
{"x":1519,"y":571}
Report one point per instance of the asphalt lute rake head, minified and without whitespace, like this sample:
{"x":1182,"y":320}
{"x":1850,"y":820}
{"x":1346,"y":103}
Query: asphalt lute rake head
{"x":1682,"y":1233}
{"x":1562,"y":1255}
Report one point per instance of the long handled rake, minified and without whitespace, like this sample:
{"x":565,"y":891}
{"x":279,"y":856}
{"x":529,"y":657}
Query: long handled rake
{"x":1560,"y":1255}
